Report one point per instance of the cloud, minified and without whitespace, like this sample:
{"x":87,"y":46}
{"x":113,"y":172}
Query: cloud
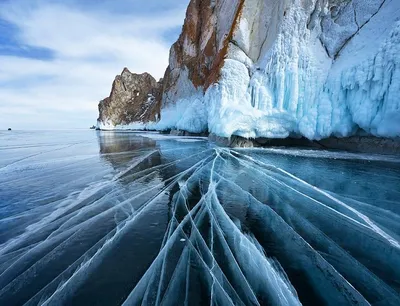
{"x":86,"y":46}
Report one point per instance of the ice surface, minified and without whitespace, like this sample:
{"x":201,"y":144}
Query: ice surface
{"x":162,"y":222}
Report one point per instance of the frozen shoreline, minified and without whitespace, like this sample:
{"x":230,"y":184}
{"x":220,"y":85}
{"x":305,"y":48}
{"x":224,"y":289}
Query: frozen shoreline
{"x":355,"y":144}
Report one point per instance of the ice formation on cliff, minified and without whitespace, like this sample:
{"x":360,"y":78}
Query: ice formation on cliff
{"x":268,"y":68}
{"x":316,"y":69}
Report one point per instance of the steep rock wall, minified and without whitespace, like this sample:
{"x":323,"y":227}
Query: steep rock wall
{"x":195,"y":63}
{"x":278,"y":68}
{"x":134,"y":98}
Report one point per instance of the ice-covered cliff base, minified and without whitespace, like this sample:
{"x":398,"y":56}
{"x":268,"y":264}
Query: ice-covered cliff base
{"x":319,"y":72}
{"x":316,"y":69}
{"x":360,"y":144}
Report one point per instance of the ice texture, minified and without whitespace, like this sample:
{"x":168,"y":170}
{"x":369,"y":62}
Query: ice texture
{"x":108,"y":126}
{"x":187,"y":114}
{"x":296,"y":87}
{"x":309,"y":68}
{"x":164,"y":222}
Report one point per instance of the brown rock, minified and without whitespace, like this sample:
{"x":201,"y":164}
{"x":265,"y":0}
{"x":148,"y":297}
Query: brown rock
{"x":133,"y":98}
{"x":199,"y":53}
{"x":194,"y":64}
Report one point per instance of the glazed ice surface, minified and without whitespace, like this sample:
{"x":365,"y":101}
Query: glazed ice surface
{"x":145,"y":219}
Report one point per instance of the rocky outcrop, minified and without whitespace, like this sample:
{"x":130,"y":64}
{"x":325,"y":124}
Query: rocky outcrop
{"x":195,"y":63}
{"x":134,"y":98}
{"x":278,"y":69}
{"x":198,"y":55}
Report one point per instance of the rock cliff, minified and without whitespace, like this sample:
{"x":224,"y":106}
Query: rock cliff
{"x":278,"y":68}
{"x":134,"y":98}
{"x":269,"y":68}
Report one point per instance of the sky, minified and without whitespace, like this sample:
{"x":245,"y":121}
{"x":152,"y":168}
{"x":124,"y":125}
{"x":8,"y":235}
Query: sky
{"x":58,"y":58}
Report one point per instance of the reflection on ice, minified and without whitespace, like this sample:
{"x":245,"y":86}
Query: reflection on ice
{"x":185,"y":223}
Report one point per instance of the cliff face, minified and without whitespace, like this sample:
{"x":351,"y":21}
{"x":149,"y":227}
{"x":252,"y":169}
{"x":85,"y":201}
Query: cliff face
{"x":195,"y":62}
{"x":273,"y":68}
{"x":197,"y":56}
{"x":279,"y":68}
{"x":133,"y":98}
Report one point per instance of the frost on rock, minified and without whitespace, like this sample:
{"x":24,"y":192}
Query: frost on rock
{"x":108,"y":126}
{"x":229,"y":115}
{"x":308,"y":68}
{"x":274,"y":69}
{"x":187,"y":114}
{"x":369,"y":93}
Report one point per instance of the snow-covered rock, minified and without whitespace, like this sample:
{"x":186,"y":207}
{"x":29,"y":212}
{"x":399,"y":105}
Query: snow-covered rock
{"x":273,"y":68}
{"x":278,"y":68}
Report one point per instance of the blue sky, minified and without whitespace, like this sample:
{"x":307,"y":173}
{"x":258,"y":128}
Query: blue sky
{"x":59,"y":58}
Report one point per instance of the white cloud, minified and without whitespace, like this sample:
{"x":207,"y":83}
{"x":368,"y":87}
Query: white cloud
{"x":90,"y":48}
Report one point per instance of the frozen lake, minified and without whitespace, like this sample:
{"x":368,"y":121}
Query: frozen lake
{"x":104,"y":218}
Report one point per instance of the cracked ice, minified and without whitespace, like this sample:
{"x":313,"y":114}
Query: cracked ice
{"x":185,"y":223}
